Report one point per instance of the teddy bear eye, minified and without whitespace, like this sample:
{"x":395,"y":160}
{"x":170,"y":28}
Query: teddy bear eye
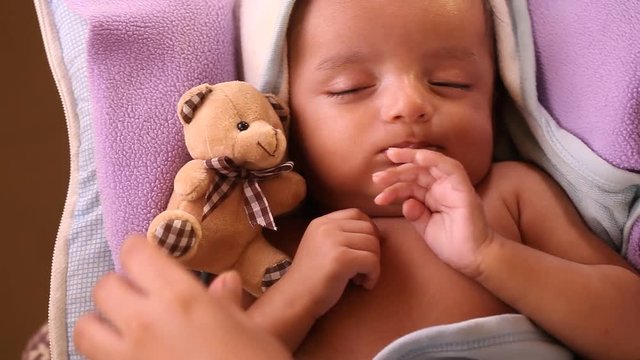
{"x":242,"y":125}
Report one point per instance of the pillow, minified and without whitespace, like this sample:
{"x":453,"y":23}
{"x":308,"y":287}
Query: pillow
{"x":120,"y":67}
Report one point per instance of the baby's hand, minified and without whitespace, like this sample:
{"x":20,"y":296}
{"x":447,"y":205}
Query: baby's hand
{"x":439,"y":199}
{"x":336,"y":248}
{"x":162,"y":312}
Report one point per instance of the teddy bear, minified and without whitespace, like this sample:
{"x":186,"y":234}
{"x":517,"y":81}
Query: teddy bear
{"x":236,"y":183}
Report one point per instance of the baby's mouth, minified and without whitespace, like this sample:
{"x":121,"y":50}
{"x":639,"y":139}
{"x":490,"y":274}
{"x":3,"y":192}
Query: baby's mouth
{"x":415,"y":145}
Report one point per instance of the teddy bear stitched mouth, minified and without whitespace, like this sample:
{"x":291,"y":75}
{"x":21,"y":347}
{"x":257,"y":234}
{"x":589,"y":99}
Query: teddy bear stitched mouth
{"x":267,"y":151}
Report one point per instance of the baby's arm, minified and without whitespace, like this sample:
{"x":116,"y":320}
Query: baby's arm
{"x":336,"y":248}
{"x":563,"y":277}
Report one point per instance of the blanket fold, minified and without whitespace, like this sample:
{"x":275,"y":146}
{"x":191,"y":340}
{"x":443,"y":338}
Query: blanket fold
{"x":588,"y":78}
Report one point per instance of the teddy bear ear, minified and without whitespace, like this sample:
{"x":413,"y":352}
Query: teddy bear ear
{"x":191,"y":100}
{"x":281,"y":110}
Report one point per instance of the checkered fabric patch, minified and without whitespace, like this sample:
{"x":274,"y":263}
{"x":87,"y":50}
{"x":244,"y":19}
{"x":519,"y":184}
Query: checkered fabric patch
{"x":274,"y":272}
{"x":38,"y":347}
{"x":176,"y":237}
{"x":230,"y":174}
{"x":191,"y":105}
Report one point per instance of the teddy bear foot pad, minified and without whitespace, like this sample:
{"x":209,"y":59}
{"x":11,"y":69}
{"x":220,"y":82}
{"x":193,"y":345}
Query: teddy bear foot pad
{"x":177,"y":236}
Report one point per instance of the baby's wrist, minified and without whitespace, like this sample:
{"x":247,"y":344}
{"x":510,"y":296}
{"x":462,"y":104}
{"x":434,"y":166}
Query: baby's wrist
{"x":486,"y":255}
{"x":309,"y":299}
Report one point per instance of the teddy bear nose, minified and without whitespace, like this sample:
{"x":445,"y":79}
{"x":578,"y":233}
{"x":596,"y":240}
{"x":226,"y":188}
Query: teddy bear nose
{"x":270,"y":145}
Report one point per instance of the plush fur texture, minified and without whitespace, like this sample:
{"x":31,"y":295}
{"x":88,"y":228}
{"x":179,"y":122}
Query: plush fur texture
{"x":225,"y":239}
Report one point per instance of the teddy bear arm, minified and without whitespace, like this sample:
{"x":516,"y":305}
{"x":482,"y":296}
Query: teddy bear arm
{"x":258,"y":256}
{"x":285,"y":192}
{"x":192,"y":181}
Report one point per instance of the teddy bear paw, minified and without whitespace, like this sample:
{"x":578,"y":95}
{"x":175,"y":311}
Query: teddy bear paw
{"x":177,"y":232}
{"x":177,"y":237}
{"x":274,"y":272}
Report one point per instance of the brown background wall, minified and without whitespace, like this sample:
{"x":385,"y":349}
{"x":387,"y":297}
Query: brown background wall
{"x":35,"y":166}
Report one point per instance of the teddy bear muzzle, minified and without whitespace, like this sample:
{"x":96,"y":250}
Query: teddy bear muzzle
{"x":260,"y":144}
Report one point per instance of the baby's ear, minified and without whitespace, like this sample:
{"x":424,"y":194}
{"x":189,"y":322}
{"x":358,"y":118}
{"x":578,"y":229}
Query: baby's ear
{"x":281,"y":110}
{"x":190,"y":101}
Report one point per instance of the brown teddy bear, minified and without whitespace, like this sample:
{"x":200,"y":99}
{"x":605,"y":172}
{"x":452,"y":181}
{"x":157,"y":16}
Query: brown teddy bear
{"x":233,"y":187}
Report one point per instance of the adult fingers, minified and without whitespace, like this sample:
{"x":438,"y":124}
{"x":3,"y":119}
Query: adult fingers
{"x":227,"y":285}
{"x":151,"y":269}
{"x":96,"y":339}
{"x":117,"y":300}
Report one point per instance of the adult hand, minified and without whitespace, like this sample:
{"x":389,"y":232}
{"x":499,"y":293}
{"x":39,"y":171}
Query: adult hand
{"x":160,"y":311}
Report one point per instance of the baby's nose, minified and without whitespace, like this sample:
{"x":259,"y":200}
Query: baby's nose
{"x":408,"y":101}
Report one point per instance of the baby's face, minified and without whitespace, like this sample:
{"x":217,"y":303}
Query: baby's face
{"x":366,"y":75}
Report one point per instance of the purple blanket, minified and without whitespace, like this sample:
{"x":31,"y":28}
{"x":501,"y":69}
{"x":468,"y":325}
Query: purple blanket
{"x":588,"y":59}
{"x":142,"y":55}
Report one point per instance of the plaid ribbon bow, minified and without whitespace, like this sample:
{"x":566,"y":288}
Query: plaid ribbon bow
{"x":255,"y":203}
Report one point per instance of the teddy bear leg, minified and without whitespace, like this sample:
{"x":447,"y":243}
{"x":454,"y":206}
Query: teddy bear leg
{"x":176,"y":231}
{"x":261,"y":265}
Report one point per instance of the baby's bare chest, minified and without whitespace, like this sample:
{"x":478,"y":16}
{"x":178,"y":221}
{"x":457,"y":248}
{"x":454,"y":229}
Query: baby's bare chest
{"x":415,"y":290}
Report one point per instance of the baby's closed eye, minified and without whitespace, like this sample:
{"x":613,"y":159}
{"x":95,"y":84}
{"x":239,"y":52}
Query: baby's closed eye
{"x":348,"y":90}
{"x":451,"y":84}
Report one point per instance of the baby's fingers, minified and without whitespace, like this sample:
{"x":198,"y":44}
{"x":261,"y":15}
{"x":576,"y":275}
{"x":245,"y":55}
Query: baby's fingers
{"x":400,"y":192}
{"x":408,"y":172}
{"x":440,"y":166}
{"x":421,"y":157}
{"x":366,"y":267}
{"x":417,"y":213}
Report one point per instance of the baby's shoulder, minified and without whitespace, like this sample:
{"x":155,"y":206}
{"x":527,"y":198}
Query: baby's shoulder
{"x":515,"y":168}
{"x":516,"y":182}
{"x":517,"y":176}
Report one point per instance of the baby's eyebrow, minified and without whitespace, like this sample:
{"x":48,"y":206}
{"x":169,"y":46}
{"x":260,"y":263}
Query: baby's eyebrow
{"x":454,"y":52}
{"x":334,"y":62}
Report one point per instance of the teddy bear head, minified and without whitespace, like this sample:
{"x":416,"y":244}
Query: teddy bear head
{"x":234,"y":119}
